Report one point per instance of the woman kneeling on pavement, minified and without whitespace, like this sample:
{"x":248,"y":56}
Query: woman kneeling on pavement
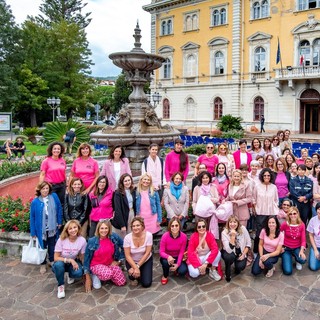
{"x":314,"y":236}
{"x":270,"y":247}
{"x":103,"y":257}
{"x":236,"y":243}
{"x":137,"y":249}
{"x":202,"y":252}
{"x":68,"y":255}
{"x":172,"y":247}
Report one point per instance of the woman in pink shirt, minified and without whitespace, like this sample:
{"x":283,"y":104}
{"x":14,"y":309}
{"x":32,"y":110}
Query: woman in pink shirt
{"x":53,"y":169}
{"x":101,"y":203}
{"x":172,"y":247}
{"x":115,"y":166}
{"x":281,"y":179}
{"x":270,"y":246}
{"x":85,"y":167}
{"x":209,"y":159}
{"x":294,"y":241}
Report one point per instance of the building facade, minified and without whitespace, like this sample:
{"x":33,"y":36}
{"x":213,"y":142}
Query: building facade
{"x":243,"y":57}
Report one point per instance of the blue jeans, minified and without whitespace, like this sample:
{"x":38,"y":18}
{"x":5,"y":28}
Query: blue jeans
{"x":287,"y":259}
{"x":59,"y":268}
{"x":268,"y":264}
{"x":49,"y":244}
{"x":182,"y":269}
{"x":314,"y":211}
{"x":314,"y":263}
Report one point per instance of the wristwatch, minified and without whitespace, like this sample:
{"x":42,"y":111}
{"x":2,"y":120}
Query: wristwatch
{"x":138,"y":266}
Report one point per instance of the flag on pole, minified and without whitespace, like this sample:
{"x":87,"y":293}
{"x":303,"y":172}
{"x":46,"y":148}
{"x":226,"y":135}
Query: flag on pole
{"x":301,"y":59}
{"x":278,"y":53}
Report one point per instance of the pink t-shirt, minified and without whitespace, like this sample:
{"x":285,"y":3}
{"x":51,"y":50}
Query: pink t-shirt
{"x":70,"y":250}
{"x":209,"y":162}
{"x":314,"y":228}
{"x":282,"y":185}
{"x":85,"y":170}
{"x":104,"y":254}
{"x":137,"y":252}
{"x":294,"y":236}
{"x":55,"y":170}
{"x":271,"y":245}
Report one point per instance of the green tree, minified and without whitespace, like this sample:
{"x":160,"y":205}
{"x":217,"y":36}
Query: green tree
{"x":64,"y":10}
{"x":121,"y":93}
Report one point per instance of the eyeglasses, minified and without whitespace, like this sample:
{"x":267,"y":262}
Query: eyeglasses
{"x":285,"y":205}
{"x":275,"y":139}
{"x":279,"y":164}
{"x":223,"y":148}
{"x":266,"y":175}
{"x":201,"y":226}
{"x":174,"y":226}
{"x":293,"y":214}
{"x":209,"y":147}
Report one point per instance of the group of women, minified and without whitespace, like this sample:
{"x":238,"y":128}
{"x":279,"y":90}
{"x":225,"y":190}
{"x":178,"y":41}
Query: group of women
{"x":122,"y":219}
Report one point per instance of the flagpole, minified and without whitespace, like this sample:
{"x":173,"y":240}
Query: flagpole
{"x":280,"y":58}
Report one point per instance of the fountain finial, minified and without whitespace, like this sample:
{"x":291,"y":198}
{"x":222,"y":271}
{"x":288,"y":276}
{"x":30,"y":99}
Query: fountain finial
{"x":137,"y":36}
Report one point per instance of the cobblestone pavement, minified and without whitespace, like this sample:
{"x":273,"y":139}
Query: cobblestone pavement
{"x":25,"y":294}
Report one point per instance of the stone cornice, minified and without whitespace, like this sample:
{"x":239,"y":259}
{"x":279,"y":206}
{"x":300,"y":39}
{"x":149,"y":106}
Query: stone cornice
{"x":161,"y":5}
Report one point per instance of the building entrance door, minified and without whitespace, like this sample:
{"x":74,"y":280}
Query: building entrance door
{"x":310,"y":111}
{"x":312,"y":118}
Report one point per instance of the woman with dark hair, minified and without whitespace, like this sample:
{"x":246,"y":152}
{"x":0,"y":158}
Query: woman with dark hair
{"x":115,"y":166}
{"x":103,"y":256}
{"x":315,"y":157}
{"x":269,"y":161}
{"x":293,"y":170}
{"x":315,"y":170}
{"x":314,"y":236}
{"x":176,"y":198}
{"x":236,"y":243}
{"x":138,"y":253}
{"x":270,"y":247}
{"x":276,"y":146}
{"x":265,"y":202}
{"x":124,"y":204}
{"x":242,"y":156}
{"x":209,"y":159}
{"x":221,"y":181}
{"x":101,"y":203}
{"x":301,"y":193}
{"x":202,"y":252}
{"x":68,"y":255}
{"x":281,"y":179}
{"x":267,"y":147}
{"x":172,"y":247}
{"x":285,"y":205}
{"x":316,"y":194}
{"x":53,"y":169}
{"x":85,"y":167}
{"x":177,"y":161}
{"x":294,"y":241}
{"x":45,"y":220}
{"x":76,"y":204}
{"x":256,"y":149}
{"x":290,"y":159}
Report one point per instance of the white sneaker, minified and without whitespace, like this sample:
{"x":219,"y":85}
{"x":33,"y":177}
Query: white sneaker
{"x":61,"y":294}
{"x":298,"y":266}
{"x":69,"y":280}
{"x":213,"y":273}
{"x":96,"y":283}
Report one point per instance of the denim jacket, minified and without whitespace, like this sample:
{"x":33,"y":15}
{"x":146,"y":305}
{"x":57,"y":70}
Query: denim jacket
{"x":93,"y":245}
{"x":154,"y":202}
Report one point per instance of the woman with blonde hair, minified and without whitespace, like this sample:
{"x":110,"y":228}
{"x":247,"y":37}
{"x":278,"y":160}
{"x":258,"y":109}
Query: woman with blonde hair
{"x":148,"y":204}
{"x":68,"y":255}
{"x":225,"y":157}
{"x":294,"y":241}
{"x":236,"y":243}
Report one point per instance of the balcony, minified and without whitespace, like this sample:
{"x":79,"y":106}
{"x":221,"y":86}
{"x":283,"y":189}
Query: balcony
{"x":301,"y":73}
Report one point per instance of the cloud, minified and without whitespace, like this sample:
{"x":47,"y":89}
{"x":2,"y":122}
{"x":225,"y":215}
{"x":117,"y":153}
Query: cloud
{"x":111,"y":28}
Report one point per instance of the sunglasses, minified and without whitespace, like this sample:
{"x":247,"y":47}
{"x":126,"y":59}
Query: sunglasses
{"x":209,"y":147}
{"x":266,"y":175}
{"x":202,"y":226}
{"x":223,"y":148}
{"x":293,"y":214}
{"x":174,"y":226}
{"x":285,"y":205}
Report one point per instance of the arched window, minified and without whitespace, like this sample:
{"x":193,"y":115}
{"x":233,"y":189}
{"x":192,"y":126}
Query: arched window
{"x":316,"y":52}
{"x":260,"y":59}
{"x":188,"y":23}
{"x":304,"y":49}
{"x":191,"y":66}
{"x":216,"y":17}
{"x":264,"y":9}
{"x":256,"y":10}
{"x":223,"y":16}
{"x":194,"y":22}
{"x":169,"y":27}
{"x":167,"y":69}
{"x":258,"y":108}
{"x":218,"y":63}
{"x":166,"y":109}
{"x":191,"y":109}
{"x":217,"y":112}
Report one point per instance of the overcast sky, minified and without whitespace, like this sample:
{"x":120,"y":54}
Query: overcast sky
{"x":110,"y":30}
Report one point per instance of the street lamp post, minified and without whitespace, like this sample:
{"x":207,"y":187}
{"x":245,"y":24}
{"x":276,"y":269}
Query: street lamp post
{"x":156,"y":98}
{"x":54,"y":103}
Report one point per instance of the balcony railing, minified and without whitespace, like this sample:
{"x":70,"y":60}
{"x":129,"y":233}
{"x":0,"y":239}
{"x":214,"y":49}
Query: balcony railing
{"x":297,"y":73}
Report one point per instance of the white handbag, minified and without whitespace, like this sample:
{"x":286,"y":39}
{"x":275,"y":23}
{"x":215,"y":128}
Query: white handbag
{"x":204,"y":207}
{"x":33,"y":253}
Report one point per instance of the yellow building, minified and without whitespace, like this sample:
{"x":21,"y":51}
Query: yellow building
{"x":243,"y":57}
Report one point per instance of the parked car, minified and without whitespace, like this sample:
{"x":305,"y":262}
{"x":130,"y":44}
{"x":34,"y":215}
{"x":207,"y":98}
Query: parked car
{"x":109,"y":122}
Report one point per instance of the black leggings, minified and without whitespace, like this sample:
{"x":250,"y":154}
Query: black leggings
{"x":229,"y":259}
{"x":145,"y":273}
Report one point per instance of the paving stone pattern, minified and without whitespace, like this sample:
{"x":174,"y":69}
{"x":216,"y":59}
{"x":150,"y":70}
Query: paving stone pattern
{"x":26,"y":294}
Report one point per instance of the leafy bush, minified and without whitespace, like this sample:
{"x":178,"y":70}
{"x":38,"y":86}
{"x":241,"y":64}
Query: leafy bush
{"x":236,"y":134}
{"x":196,"y":149}
{"x":229,"y":122}
{"x":56,"y":130}
{"x":11,"y":169}
{"x":14,"y":215}
{"x":31,"y":131}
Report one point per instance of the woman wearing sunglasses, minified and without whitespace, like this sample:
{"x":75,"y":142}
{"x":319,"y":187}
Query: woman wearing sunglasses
{"x":314,"y":236}
{"x":209,"y":159}
{"x":225,"y":157}
{"x":294,"y":241}
{"x":202,"y":252}
{"x":276,"y":146}
{"x":284,"y":210}
{"x":172,"y":247}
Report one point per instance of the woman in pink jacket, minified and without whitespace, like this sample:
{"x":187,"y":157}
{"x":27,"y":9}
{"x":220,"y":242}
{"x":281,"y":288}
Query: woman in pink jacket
{"x":202,"y":252}
{"x":115,"y":166}
{"x":242,"y":155}
{"x":101,"y":203}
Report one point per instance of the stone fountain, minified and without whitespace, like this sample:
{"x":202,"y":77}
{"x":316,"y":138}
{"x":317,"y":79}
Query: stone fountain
{"x":138,"y":125}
